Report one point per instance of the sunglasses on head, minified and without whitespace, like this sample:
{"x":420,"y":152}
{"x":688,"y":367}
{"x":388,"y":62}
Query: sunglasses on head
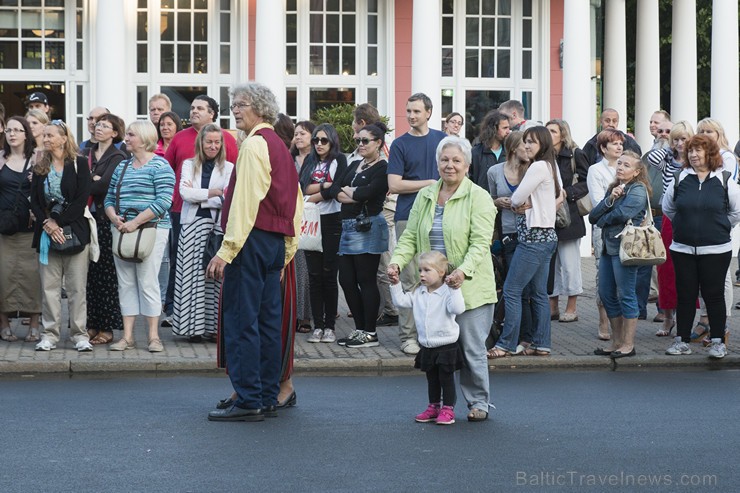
{"x":364,"y":141}
{"x":59,"y":123}
{"x":320,"y":140}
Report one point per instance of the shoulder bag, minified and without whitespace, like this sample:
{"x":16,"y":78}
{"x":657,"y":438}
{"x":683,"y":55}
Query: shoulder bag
{"x":584,"y":203}
{"x":137,"y":245}
{"x":641,"y":245}
{"x":18,"y":218}
{"x":213,"y":241}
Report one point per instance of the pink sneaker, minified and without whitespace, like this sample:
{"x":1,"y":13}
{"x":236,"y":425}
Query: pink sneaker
{"x":429,"y":415}
{"x":446,"y":416}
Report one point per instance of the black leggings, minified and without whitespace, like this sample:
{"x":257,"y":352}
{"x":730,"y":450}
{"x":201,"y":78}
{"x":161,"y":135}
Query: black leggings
{"x":441,"y":383}
{"x":705,"y":272}
{"x":322,"y":273}
{"x":357,"y":275}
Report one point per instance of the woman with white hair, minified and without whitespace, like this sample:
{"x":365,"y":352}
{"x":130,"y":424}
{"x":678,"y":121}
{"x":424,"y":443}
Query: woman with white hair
{"x":455,"y":217}
{"x":140,"y":192}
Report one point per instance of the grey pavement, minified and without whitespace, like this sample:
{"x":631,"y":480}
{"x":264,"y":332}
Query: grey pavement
{"x":572,"y":347}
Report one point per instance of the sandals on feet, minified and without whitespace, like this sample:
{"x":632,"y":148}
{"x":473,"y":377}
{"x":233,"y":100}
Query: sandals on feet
{"x":697,"y":336}
{"x":665,"y":333}
{"x":496,"y":352}
{"x":33,"y":334}
{"x":304,"y":328}
{"x":7,"y":335}
{"x":530,"y":351}
{"x":102,"y":338}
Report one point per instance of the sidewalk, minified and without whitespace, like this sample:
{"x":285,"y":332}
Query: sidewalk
{"x":573,"y":345}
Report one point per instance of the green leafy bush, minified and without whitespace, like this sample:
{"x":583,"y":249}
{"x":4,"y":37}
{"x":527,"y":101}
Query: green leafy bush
{"x":340,"y":117}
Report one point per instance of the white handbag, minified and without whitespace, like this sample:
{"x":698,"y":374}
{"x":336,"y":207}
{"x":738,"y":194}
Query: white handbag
{"x":310,"y":238}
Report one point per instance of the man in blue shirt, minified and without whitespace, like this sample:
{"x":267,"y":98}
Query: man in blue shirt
{"x":412,"y":165}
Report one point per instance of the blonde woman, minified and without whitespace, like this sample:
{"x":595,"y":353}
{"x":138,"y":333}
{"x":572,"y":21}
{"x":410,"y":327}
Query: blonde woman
{"x":146,"y":186}
{"x":37,"y":120}
{"x":60,"y":188}
{"x":202,"y":185}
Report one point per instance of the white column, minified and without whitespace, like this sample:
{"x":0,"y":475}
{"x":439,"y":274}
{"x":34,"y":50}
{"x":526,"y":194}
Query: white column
{"x":426,"y":54}
{"x":577,"y":108}
{"x":724,"y":105}
{"x":615,"y":59}
{"x":269,"y":53}
{"x":683,"y":62}
{"x":578,"y":101}
{"x":647,"y":71}
{"x":110,"y":87}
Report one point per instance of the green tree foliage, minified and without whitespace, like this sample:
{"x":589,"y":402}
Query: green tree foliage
{"x":340,"y":117}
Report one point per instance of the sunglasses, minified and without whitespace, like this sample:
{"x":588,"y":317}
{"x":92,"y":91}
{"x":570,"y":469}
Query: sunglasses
{"x":663,"y":131}
{"x":364,"y":141}
{"x":320,"y":140}
{"x":59,"y":123}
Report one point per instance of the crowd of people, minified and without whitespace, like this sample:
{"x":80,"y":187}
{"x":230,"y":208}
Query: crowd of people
{"x":409,"y":231}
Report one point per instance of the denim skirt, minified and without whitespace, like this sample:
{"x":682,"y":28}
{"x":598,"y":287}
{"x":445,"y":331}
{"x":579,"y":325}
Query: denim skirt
{"x":353,"y":242}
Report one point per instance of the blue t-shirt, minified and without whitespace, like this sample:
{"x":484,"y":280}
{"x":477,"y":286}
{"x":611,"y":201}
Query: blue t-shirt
{"x":414,"y":158}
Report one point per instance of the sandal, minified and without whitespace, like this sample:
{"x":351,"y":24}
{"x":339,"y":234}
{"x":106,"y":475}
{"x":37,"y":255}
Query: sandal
{"x":698,"y":336}
{"x":33,"y":334}
{"x":555,"y":316}
{"x":664,"y":332}
{"x":7,"y":335}
{"x":102,"y":337}
{"x":497,"y":352}
{"x":477,"y":415}
{"x":530,"y":351}
{"x":304,"y":328}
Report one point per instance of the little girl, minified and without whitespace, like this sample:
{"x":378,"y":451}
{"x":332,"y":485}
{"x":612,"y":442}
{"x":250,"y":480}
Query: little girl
{"x":435,"y":305}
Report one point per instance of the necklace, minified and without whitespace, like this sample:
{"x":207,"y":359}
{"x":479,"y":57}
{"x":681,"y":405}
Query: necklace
{"x":366,"y":164}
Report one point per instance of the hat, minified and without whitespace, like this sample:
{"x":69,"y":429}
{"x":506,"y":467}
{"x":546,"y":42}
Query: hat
{"x":37,"y":97}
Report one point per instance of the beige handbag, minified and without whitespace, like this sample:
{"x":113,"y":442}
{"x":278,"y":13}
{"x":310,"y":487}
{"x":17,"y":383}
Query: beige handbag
{"x":641,"y":245}
{"x":137,"y":245}
{"x":584,"y":203}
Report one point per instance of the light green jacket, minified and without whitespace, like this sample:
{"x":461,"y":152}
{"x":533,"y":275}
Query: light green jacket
{"x":467,"y":225}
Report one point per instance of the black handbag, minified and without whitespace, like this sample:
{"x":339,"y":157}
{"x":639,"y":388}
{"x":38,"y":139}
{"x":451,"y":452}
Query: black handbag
{"x":18,"y":218}
{"x":213,"y":243}
{"x":71,"y":245}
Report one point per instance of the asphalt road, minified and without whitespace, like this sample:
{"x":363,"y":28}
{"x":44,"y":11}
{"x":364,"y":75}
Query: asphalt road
{"x":556,"y":431}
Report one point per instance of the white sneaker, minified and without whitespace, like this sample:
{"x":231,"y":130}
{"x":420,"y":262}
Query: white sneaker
{"x":329,"y":336}
{"x":45,"y":345}
{"x":83,"y":346}
{"x":315,"y":335}
{"x":410,"y":347}
{"x":678,"y":348}
{"x":717,"y":350}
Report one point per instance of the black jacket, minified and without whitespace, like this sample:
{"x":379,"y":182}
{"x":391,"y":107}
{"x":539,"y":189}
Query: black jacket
{"x":372,"y":187}
{"x":103,"y":168}
{"x":483,"y":159}
{"x":594,"y":153}
{"x":577,"y":228}
{"x":75,"y":190}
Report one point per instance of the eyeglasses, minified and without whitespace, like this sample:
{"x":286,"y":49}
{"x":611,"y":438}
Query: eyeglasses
{"x":455,"y":122}
{"x":320,"y":140}
{"x":103,"y":125}
{"x":59,"y":123}
{"x":663,"y":131}
{"x":364,"y":141}
{"x":239,"y":105}
{"x":14,"y":131}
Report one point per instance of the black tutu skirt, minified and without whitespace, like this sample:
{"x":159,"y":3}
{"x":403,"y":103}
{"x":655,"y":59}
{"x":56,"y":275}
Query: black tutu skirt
{"x":449,"y":357}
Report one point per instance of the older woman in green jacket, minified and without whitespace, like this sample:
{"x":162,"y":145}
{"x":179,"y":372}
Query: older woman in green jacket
{"x":456,"y":217}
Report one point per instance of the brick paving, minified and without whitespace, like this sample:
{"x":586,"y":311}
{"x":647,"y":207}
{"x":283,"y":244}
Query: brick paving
{"x":573,"y":345}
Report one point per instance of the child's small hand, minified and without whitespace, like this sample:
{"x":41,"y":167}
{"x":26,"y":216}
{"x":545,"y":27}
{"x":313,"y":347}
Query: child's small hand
{"x":392,"y":272}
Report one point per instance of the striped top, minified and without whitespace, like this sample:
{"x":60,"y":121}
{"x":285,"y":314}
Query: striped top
{"x":436,"y":234}
{"x":664,"y":161}
{"x":150,"y":186}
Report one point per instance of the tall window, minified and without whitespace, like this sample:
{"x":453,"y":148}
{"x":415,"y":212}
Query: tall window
{"x":32,"y":34}
{"x":334,"y":52}
{"x":184,"y":36}
{"x":489,"y":48}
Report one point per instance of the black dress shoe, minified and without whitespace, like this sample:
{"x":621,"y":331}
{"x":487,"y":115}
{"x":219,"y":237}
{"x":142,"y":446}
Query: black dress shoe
{"x":236,"y":414}
{"x":270,"y":411}
{"x":620,"y":354}
{"x":225,"y":403}
{"x":386,"y":320}
{"x":289,"y":402}
{"x":601,"y":352}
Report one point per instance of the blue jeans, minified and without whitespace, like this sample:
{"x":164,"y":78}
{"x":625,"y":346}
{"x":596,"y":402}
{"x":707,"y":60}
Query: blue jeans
{"x":644,"y":273}
{"x":617,"y":287}
{"x":529,"y":269}
{"x":525,"y":326}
